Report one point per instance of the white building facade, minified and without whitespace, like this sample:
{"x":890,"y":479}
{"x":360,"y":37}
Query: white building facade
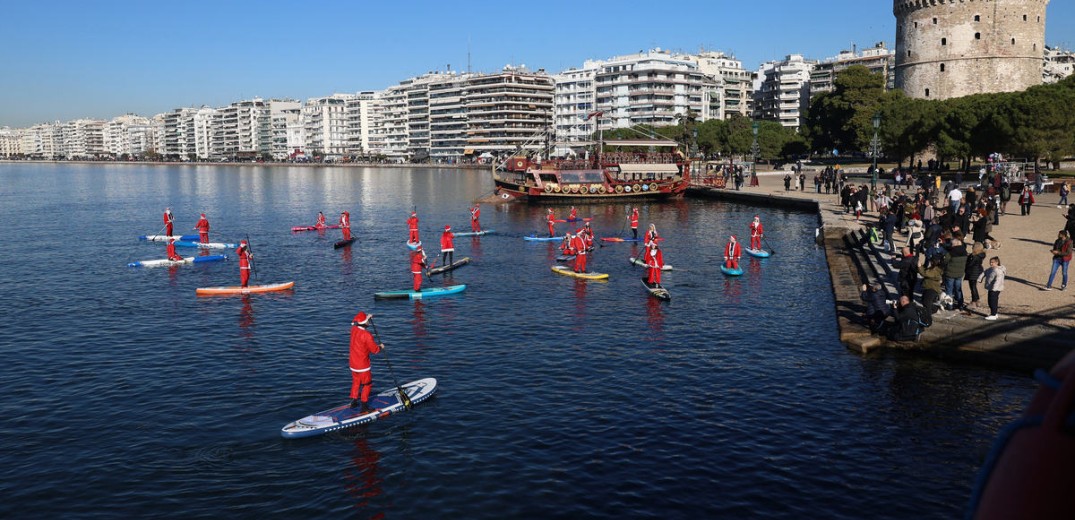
{"x":782,"y":90}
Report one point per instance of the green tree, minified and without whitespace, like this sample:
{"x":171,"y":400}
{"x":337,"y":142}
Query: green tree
{"x":843,"y":118}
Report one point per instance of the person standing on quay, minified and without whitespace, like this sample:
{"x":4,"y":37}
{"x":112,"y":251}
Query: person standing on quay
{"x":787,"y":182}
{"x":974,"y":269}
{"x":757,"y":231}
{"x":955,"y":262}
{"x":245,"y":257}
{"x":732,"y":252}
{"x":203,"y":229}
{"x":994,"y":284}
{"x":1061,"y":258}
{"x":447,"y":248}
{"x":169,"y":222}
{"x":1026,"y":200}
{"x":412,"y":227}
{"x":475,"y":213}
{"x":362,"y":345}
{"x":1064,"y":191}
{"x":634,"y":223}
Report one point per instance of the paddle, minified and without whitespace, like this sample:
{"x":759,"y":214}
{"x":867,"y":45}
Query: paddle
{"x":403,"y":398}
{"x":253,"y":266}
{"x":771,"y":250}
{"x":162,"y":229}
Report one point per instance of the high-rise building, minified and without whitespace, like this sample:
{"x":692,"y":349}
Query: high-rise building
{"x":735,"y":85}
{"x":362,"y":124}
{"x":84,"y":139}
{"x":655,"y":88}
{"x":573,"y":104}
{"x":877,"y":59}
{"x":782,"y":90}
{"x":241,"y":131}
{"x":10,"y":142}
{"x":448,"y":118}
{"x":507,"y":111}
{"x":327,"y":125}
{"x":947,"y":49}
{"x":130,"y":134}
{"x":288,"y":132}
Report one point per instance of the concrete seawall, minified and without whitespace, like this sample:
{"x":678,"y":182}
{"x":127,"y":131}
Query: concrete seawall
{"x":1036,"y":337}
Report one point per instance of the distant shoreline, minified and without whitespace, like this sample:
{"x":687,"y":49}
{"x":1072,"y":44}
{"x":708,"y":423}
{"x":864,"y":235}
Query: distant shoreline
{"x":257,"y":164}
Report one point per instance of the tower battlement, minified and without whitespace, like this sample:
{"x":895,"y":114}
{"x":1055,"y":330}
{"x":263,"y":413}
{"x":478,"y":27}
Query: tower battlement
{"x":955,"y":48}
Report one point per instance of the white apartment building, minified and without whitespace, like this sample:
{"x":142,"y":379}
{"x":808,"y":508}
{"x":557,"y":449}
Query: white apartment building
{"x":404,"y":112}
{"x":507,"y":111}
{"x":187,"y":134}
{"x":650,"y":88}
{"x":363,"y":111}
{"x":782,"y":90}
{"x":573,"y":102}
{"x":43,"y":141}
{"x":286,"y":126}
{"x":1058,"y":64}
{"x":877,"y":59}
{"x":736,"y":85}
{"x":448,"y":118}
{"x":130,"y":134}
{"x":10,"y":143}
{"x":83,"y":139}
{"x":241,"y":131}
{"x":326,"y":123}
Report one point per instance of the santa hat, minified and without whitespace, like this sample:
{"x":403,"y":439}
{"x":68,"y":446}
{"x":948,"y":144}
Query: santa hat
{"x":447,"y":228}
{"x":361,"y":318}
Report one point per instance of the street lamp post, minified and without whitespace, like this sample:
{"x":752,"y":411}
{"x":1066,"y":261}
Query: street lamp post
{"x":875,"y":145}
{"x":754,"y":150}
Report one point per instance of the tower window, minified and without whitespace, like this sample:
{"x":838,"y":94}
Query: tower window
{"x":942,"y":67}
{"x":927,"y":92}
{"x":908,"y":54}
{"x":1035,"y":46}
{"x":944,"y":41}
{"x":916,"y":25}
{"x":977,"y":17}
{"x":1013,"y":41}
{"x":1024,"y":17}
{"x":934,"y":21}
{"x":977,"y":36}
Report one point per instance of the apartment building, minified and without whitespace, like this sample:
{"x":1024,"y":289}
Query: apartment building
{"x":326,"y":124}
{"x":735,"y":84}
{"x":1058,"y":64}
{"x":287,"y":129}
{"x":573,"y":103}
{"x":83,"y":139}
{"x":10,"y":142}
{"x":241,"y":131}
{"x":782,"y":90}
{"x":651,"y":88}
{"x":363,"y":111}
{"x":877,"y":59}
{"x":448,"y":118}
{"x":508,"y":111}
{"x":130,"y":134}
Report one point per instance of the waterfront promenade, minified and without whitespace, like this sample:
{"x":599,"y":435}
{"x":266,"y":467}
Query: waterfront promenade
{"x":1036,"y":327}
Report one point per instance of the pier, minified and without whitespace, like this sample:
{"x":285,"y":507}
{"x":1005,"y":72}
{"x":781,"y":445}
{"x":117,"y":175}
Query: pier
{"x":1036,"y":327}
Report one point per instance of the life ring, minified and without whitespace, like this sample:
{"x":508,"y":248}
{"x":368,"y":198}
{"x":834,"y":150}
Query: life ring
{"x":627,"y":189}
{"x":653,"y":187}
{"x":593,"y":189}
{"x":576,"y":189}
{"x":556,"y":189}
{"x":548,"y":188}
{"x":637,"y":188}
{"x":601,"y":189}
{"x":619,"y":188}
{"x":645,"y":187}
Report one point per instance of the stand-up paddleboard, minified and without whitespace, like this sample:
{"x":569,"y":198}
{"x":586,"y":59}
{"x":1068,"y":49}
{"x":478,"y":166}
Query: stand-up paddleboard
{"x":619,"y":239}
{"x":235,"y":289}
{"x":186,"y":261}
{"x":445,"y":268}
{"x":535,"y":238}
{"x":418,"y":295}
{"x":343,"y":243}
{"x":296,"y":229}
{"x":413,"y":246}
{"x":731,"y":272}
{"x":640,"y":262}
{"x":565,"y":258}
{"x":657,"y":292}
{"x":165,"y":238}
{"x":564,"y":220}
{"x":567,"y":271}
{"x":475,"y":233}
{"x":760,"y":253}
{"x":205,"y":245}
{"x":382,"y":405}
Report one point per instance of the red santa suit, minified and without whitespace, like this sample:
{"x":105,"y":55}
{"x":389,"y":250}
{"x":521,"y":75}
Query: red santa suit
{"x":756,"y":231}
{"x":412,"y":227}
{"x":579,"y":245}
{"x":634,"y":223}
{"x":447,"y":247}
{"x":320,"y":220}
{"x":418,"y":264}
{"x":362,"y":345}
{"x":574,"y":215}
{"x":345,"y":225}
{"x":732,"y":252}
{"x":169,"y":221}
{"x":203,"y":229}
{"x":551,"y":218}
{"x":475,"y":212}
{"x":565,"y":246}
{"x":651,"y":236}
{"x":244,"y":263}
{"x":172,"y":255}
{"x":655,"y":261}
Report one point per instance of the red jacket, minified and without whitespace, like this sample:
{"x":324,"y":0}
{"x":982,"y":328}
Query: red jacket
{"x":244,"y":257}
{"x":732,"y":250}
{"x":446,"y":241}
{"x":202,"y":225}
{"x":756,"y":230}
{"x":345,"y":220}
{"x":655,"y":261}
{"x":566,"y":247}
{"x":172,"y":255}
{"x":362,"y":345}
{"x":634,"y":219}
{"x":475,"y":212}
{"x":574,"y":215}
{"x":579,"y":245}
{"x":551,"y":218}
{"x":412,"y":223}
{"x":1027,"y":197}
{"x":168,"y":217}
{"x":418,"y":261}
{"x":320,"y":219}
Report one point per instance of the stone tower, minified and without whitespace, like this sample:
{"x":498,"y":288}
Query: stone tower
{"x":954,"y":48}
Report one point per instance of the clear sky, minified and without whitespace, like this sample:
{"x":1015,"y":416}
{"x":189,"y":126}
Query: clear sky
{"x":62,"y":60}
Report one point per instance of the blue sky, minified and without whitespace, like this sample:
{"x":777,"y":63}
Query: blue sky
{"x":68,"y":59}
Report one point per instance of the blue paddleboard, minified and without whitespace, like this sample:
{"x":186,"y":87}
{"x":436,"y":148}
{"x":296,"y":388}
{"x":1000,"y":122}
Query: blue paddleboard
{"x":418,"y":295}
{"x":731,"y":272}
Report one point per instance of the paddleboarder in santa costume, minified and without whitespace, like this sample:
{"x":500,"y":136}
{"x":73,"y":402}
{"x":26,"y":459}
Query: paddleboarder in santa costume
{"x":651,"y":235}
{"x":320,"y":220}
{"x":169,"y":221}
{"x":412,"y":227}
{"x":634,"y":223}
{"x":565,"y":246}
{"x":345,"y":225}
{"x":172,"y":255}
{"x":756,"y":232}
{"x":362,"y":345}
{"x":551,"y":218}
{"x":447,"y":248}
{"x":587,"y":236}
{"x":654,"y":261}
{"x":418,"y":265}
{"x":203,"y":229}
{"x":573,"y":215}
{"x":475,"y":212}
{"x":244,"y":263}
{"x":579,"y":245}
{"x":732,"y":252}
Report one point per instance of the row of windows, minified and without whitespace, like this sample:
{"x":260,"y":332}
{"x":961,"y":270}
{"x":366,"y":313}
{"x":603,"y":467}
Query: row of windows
{"x":977,"y":36}
{"x":978,"y":18}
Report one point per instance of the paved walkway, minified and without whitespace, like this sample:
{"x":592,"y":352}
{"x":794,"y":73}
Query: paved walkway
{"x":1036,"y":327}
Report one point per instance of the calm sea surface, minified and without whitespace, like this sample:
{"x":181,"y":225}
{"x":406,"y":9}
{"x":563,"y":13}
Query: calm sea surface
{"x":123,"y":394}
